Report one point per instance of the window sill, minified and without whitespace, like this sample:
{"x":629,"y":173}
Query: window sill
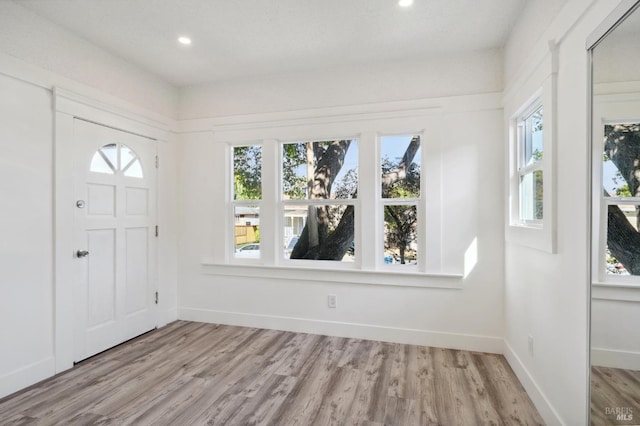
{"x":537,"y":226}
{"x":620,"y":291}
{"x":386,"y":277}
{"x":537,"y":236}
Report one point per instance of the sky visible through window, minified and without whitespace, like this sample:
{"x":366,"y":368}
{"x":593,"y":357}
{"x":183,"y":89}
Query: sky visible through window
{"x":350,"y":163}
{"x":394,"y":148}
{"x":610,"y":179}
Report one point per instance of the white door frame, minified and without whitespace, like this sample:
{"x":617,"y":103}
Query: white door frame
{"x":67,"y":107}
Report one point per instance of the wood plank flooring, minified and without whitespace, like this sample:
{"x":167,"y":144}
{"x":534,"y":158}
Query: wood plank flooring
{"x":205,"y":374}
{"x":615,"y":396}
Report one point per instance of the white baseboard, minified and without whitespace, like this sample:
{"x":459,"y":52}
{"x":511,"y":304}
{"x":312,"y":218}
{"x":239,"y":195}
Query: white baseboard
{"x":26,"y":376}
{"x":539,"y":399}
{"x":343,"y":329}
{"x":615,"y":359}
{"x":165,"y":317}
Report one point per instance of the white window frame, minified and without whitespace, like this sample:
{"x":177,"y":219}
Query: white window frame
{"x":608,"y":109}
{"x":233,"y":203}
{"x":446,"y":248}
{"x":417,"y":201}
{"x":272,"y":253}
{"x":538,"y":90}
{"x":524,"y":169}
{"x":282,"y":203}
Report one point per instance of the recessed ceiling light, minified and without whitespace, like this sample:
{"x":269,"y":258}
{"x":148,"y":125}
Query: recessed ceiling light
{"x":184,"y":40}
{"x":405,"y":3}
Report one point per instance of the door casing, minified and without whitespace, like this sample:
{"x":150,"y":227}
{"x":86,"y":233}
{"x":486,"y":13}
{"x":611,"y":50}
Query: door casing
{"x":67,"y":107}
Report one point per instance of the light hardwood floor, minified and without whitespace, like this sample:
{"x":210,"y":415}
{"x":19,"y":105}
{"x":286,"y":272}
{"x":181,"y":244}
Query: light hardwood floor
{"x":615,"y":396}
{"x":197,"y":374}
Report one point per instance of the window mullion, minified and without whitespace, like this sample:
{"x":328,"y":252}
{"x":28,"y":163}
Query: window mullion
{"x":367,"y":213}
{"x":269,"y":217}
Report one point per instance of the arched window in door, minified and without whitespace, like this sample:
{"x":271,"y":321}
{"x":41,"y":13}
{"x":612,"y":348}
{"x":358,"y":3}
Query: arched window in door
{"x":113,"y":158}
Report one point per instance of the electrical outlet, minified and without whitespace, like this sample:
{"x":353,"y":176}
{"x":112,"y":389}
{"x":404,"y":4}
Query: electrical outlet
{"x":332,"y":301}
{"x":530,"y":340}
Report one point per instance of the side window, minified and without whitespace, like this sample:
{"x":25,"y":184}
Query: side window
{"x":247,"y":197}
{"x":532,"y":191}
{"x":319,"y":192}
{"x":530,"y":155}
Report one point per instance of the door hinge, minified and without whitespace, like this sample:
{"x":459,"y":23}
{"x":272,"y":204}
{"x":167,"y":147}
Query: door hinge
{"x":157,"y":162}
{"x":156,"y":297}
{"x":157,"y":231}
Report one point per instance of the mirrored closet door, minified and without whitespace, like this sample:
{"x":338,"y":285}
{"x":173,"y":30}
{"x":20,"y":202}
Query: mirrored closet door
{"x":615,"y":199}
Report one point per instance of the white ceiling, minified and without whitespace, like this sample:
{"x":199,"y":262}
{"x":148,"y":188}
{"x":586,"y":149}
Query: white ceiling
{"x":234,"y":38}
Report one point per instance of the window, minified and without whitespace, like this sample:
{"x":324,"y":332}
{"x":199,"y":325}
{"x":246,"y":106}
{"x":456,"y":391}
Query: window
{"x":530,"y":149}
{"x":400,"y":197}
{"x":530,"y":110}
{"x":247,"y":197}
{"x":318,"y":209}
{"x":319,"y":181}
{"x":343,"y":204}
{"x":620,"y":196}
{"x":112,"y":158}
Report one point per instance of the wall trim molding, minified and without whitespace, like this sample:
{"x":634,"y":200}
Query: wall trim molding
{"x":613,"y":358}
{"x":101,"y":111}
{"x":26,"y":376}
{"x":349,"y":113}
{"x":469,"y":342}
{"x":539,"y":399}
{"x":326,"y":274}
{"x":74,"y":103}
{"x":622,"y":292}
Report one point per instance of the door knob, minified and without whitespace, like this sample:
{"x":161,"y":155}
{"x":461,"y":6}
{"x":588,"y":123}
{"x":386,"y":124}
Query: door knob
{"x":82,"y":253}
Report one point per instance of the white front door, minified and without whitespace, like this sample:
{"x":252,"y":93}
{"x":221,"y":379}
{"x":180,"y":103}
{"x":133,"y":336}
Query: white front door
{"x":114,"y":234}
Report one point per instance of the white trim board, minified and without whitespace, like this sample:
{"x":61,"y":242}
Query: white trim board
{"x":106,"y":113}
{"x":539,"y":399}
{"x":612,"y":358}
{"x":348,"y":113}
{"x":166,"y":317}
{"x":387,"y":277}
{"x":26,"y":376}
{"x":468,"y":342}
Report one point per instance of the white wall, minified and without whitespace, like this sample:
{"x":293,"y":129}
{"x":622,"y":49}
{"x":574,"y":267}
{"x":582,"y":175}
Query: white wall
{"x":470,"y":317}
{"x":26,"y":246}
{"x":546,"y":294}
{"x":478,"y":72}
{"x":37,"y":41}
{"x":528,"y":34}
{"x":614,"y":331}
{"x":35,"y":57}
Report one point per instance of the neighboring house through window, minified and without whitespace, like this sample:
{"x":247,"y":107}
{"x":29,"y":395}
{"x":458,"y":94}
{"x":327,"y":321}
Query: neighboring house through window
{"x":319,"y":182}
{"x":247,"y":196}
